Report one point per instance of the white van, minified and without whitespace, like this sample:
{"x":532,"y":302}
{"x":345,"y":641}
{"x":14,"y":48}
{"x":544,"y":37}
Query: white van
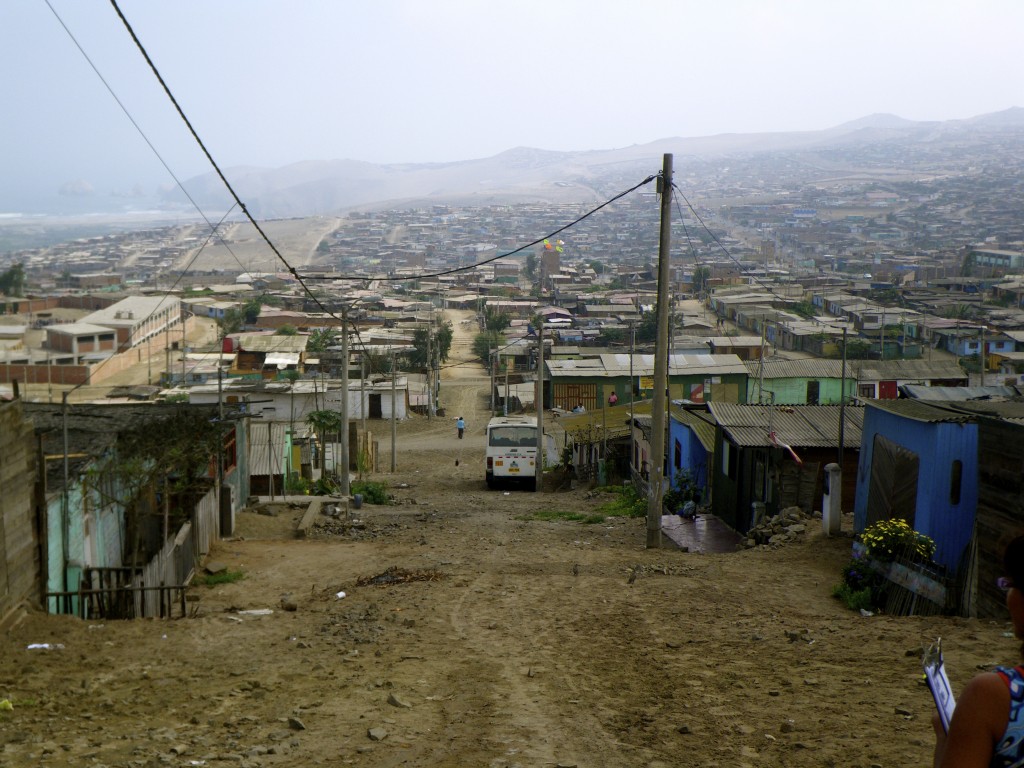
{"x":512,"y":451}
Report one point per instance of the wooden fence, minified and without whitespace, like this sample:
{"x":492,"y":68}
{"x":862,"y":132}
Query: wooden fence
{"x":155,"y":589}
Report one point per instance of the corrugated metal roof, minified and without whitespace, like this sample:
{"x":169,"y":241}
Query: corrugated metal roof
{"x":616,"y":365}
{"x":272,"y":343}
{"x":700,"y":422}
{"x":615,"y":420}
{"x":919,"y":410}
{"x":807,"y":426}
{"x":1003,"y":409}
{"x":954,"y":394}
{"x":813,"y":368}
{"x":884,"y":370}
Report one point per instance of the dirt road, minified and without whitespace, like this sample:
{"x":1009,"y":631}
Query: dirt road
{"x":501,"y":641}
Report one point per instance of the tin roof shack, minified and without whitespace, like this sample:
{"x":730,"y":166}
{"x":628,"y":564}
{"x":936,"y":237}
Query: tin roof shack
{"x":800,"y":382}
{"x":600,"y":441}
{"x":881,"y":379}
{"x":267,"y":355}
{"x":776,"y":455}
{"x":691,"y":449}
{"x":590,"y":381}
{"x":918,"y":462}
{"x":1000,"y":514}
{"x":139,"y":503}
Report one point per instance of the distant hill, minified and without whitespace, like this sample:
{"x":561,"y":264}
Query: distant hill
{"x":524,"y":174}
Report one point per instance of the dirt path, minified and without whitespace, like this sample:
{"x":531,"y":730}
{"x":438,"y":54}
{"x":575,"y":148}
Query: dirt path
{"x":513,"y":642}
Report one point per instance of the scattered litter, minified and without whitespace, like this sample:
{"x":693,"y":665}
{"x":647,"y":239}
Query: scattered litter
{"x":45,"y":646}
{"x":396,"y":575}
{"x":866,"y":614}
{"x":95,"y":626}
{"x":257,"y":612}
{"x":6,"y":705}
{"x":197,"y":762}
{"x":340,"y":595}
{"x":163,"y":637}
{"x":506,"y":493}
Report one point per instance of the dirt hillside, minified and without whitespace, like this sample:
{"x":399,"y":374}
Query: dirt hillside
{"x":491,"y":639}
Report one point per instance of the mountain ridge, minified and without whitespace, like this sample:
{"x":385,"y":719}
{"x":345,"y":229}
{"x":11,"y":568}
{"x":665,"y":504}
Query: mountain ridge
{"x":519,"y":174}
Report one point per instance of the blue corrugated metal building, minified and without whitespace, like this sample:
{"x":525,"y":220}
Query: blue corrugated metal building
{"x":919,"y":462}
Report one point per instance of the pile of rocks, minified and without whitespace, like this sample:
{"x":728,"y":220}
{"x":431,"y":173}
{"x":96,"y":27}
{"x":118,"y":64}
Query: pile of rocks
{"x":791,"y":524}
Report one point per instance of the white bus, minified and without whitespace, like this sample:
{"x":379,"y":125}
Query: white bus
{"x":512,"y":451}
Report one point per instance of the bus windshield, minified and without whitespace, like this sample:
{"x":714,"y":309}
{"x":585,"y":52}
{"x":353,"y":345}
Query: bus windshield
{"x":513,"y":437}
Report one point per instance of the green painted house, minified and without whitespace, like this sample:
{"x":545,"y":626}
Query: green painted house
{"x":697,"y":378}
{"x":813,"y":381}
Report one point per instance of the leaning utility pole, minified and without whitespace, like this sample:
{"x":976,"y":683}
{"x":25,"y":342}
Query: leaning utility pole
{"x":659,"y":407}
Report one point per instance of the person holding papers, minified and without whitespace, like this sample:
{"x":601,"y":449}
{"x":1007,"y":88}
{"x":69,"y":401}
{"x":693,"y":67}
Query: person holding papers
{"x":987,"y":729}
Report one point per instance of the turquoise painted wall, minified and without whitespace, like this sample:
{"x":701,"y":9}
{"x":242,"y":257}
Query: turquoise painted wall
{"x":794,"y":391}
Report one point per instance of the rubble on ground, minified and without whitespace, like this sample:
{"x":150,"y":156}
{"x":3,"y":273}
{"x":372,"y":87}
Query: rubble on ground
{"x":790,"y":524}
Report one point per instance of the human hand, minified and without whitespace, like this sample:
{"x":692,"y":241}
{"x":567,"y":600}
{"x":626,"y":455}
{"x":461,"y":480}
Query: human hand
{"x":940,"y":739}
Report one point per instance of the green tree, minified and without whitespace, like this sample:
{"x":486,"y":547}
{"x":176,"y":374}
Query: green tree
{"x":495,"y":320}
{"x":611,"y":336}
{"x":167,"y":455}
{"x":597,"y":266}
{"x":857,"y":349}
{"x":287,"y":330}
{"x":12,"y":281}
{"x":440,"y":344}
{"x":443,"y":339}
{"x":320,"y":339}
{"x":232,"y":322}
{"x":418,"y":357}
{"x":647,"y":330}
{"x":324,"y":423}
{"x":531,"y":266}
{"x":484,"y":342}
{"x":804,"y":308}
{"x":251,"y":310}
{"x":701,"y":276}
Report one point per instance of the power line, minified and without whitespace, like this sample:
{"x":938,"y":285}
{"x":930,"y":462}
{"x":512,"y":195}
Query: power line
{"x":718,"y":242}
{"x":238,"y":200}
{"x":126,"y":344}
{"x":142,"y":133}
{"x":520,"y":249}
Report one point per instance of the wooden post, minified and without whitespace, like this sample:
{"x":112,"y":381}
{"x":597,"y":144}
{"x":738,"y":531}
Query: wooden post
{"x":659,"y":407}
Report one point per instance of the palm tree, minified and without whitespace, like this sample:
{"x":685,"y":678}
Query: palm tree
{"x":322,"y":423}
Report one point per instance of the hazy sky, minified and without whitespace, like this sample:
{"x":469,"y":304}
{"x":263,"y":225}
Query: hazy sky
{"x":271,"y":82}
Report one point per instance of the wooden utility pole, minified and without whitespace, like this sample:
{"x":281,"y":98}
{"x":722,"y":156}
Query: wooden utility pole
{"x":394,"y":412}
{"x":430,"y":365}
{"x":632,"y":390}
{"x":539,"y":396}
{"x":659,"y":408}
{"x":981,"y":354}
{"x":842,"y":407}
{"x":490,"y":364}
{"x":344,"y":401}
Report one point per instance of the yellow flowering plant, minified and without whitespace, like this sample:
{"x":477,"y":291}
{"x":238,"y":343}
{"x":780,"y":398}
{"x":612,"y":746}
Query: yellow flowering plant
{"x":888,"y":539}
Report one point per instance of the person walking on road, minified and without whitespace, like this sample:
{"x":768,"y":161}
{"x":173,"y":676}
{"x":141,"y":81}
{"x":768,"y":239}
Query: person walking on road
{"x":460,"y":424}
